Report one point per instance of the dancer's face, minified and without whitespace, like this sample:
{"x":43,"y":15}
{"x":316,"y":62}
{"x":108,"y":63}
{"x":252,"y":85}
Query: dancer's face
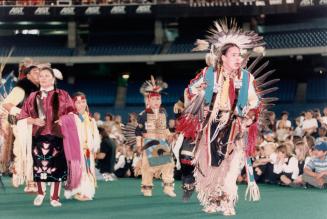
{"x":46,"y":79}
{"x":34,"y":76}
{"x":80,"y":104}
{"x":155,"y":102}
{"x":232,"y":60}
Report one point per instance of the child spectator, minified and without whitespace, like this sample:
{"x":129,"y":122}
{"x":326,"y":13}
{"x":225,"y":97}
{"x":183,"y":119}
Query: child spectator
{"x":272,"y":121}
{"x":323,"y":119}
{"x":106,"y":157}
{"x":120,"y":165}
{"x":302,"y":155}
{"x":322,"y":131}
{"x":269,"y":136}
{"x":310,"y":124}
{"x":129,"y":161}
{"x":263,"y":167}
{"x":298,"y":131}
{"x":286,"y":166}
{"x":97,"y":118}
{"x":284,"y":123}
{"x":315,"y":172}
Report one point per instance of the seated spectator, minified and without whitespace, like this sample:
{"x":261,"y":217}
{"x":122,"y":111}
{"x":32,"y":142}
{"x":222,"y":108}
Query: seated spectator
{"x":284,"y":123}
{"x":310,"y":124}
{"x":323,"y":119}
{"x":310,"y":141}
{"x":120,"y":165}
{"x":298,"y":131}
{"x":108,"y":119}
{"x":296,"y":139}
{"x":315,"y":171}
{"x":322,"y":131}
{"x":302,"y":155}
{"x":106,"y":157}
{"x":283,"y":127}
{"x":272,"y":121}
{"x":286,"y":167}
{"x":129,"y":161}
{"x":97,"y":118}
{"x":263,"y":167}
{"x":132,"y":119}
{"x":258,"y":166}
{"x":261,"y":142}
{"x":269,"y":136}
{"x":118,"y":121}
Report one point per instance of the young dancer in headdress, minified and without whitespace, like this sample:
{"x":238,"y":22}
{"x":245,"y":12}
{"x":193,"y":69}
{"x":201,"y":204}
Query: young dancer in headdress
{"x":222,"y":109}
{"x":89,"y":140}
{"x":152,"y":134}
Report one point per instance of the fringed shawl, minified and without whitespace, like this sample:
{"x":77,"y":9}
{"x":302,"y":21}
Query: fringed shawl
{"x":72,"y":151}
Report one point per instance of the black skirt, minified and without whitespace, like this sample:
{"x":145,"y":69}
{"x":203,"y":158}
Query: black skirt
{"x":49,"y":161}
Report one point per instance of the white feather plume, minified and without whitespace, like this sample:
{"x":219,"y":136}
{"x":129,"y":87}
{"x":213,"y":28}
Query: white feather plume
{"x":57,"y":74}
{"x":223,"y":33}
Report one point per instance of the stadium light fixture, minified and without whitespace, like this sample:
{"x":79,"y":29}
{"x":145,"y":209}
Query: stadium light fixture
{"x":125,"y":76}
{"x":55,"y":23}
{"x":27,"y":32}
{"x":24,"y":22}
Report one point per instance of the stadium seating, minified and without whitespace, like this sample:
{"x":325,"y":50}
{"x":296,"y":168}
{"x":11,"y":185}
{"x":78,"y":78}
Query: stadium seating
{"x":141,"y":43}
{"x":34,"y":45}
{"x":182,"y":46}
{"x":122,"y":43}
{"x":97,"y":92}
{"x":277,"y":40}
{"x":286,"y":91}
{"x":317,"y":90}
{"x":295,"y":39}
{"x":134,"y":97}
{"x":123,"y":49}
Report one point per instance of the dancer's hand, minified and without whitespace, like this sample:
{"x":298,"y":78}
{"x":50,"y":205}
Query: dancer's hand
{"x":138,"y":149}
{"x":202,"y":86}
{"x":178,"y":107}
{"x":58,"y":122}
{"x":38,"y":122}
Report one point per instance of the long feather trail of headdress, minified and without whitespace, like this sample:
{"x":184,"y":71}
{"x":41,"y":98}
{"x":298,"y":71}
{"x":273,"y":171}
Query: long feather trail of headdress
{"x":5,"y":60}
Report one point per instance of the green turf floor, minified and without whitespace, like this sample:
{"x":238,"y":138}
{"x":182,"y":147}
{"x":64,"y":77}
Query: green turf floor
{"x":122,"y":199}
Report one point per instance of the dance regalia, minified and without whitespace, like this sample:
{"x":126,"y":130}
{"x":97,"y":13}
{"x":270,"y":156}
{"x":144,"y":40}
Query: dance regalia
{"x":89,"y":139}
{"x":156,"y":156}
{"x":22,"y":162}
{"x":218,"y":158}
{"x":49,"y":162}
{"x":218,"y":108}
{"x":153,"y":133}
{"x":184,"y":153}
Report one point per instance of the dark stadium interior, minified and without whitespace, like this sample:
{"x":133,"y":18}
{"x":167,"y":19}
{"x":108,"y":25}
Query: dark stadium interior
{"x":129,"y":39}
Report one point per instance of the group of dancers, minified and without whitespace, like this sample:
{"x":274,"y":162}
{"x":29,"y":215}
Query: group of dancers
{"x":56,"y":139}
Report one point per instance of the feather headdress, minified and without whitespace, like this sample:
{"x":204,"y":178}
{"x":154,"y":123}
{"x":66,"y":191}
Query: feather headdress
{"x":153,"y":86}
{"x":223,"y":33}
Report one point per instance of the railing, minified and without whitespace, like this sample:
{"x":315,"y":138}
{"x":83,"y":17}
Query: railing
{"x":196,"y":3}
{"x":87,"y":2}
